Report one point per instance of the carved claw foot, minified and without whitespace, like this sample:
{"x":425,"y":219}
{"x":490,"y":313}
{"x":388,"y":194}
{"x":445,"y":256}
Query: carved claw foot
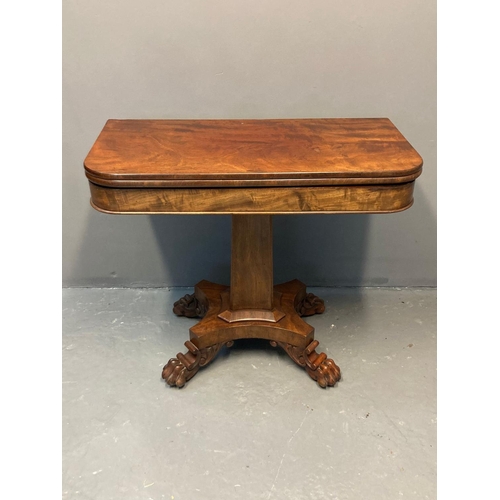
{"x":318,"y":366}
{"x":185,"y":366}
{"x":190,"y":307}
{"x":309,"y":305}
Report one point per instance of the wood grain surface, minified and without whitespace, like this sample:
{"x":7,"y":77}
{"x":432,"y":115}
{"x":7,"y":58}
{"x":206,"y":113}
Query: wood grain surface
{"x":211,"y":153}
{"x":211,"y":330}
{"x":291,"y":333}
{"x":312,"y":199}
{"x":251,"y":249}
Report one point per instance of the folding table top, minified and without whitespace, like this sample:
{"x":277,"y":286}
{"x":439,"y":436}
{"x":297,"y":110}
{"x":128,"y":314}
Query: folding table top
{"x":232,"y":153}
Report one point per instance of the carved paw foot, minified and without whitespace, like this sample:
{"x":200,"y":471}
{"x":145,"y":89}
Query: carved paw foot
{"x":309,"y":305}
{"x":185,"y":366}
{"x":318,"y":366}
{"x":326,"y":374}
{"x":190,"y":307}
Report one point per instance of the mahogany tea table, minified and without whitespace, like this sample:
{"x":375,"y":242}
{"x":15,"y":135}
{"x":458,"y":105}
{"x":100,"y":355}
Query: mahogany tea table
{"x":251,"y":169}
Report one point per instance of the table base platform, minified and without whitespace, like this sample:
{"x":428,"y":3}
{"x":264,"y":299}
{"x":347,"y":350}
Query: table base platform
{"x":220,"y":326}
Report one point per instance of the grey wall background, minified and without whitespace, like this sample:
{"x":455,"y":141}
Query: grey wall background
{"x":241,"y":59}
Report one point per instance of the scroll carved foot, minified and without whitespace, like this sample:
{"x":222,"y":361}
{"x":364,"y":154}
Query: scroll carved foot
{"x":318,"y":366}
{"x":190,"y":307}
{"x":309,"y":305}
{"x":185,"y":366}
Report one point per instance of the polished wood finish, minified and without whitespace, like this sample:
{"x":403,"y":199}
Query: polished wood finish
{"x":252,"y":182}
{"x":235,"y":151}
{"x":342,"y":165}
{"x":309,"y":305}
{"x":190,"y":307}
{"x":251,"y":249}
{"x":318,"y":366}
{"x":214,"y":330}
{"x":185,"y":366}
{"x":251,"y":296}
{"x":385,"y":198}
{"x":251,"y":169}
{"x":232,"y":314}
{"x":291,"y":333}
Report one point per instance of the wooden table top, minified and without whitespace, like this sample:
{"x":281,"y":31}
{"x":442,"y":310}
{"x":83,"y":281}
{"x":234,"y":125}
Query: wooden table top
{"x":230,"y":153}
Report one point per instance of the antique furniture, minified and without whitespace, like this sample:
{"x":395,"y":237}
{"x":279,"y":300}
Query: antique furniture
{"x":251,"y":169}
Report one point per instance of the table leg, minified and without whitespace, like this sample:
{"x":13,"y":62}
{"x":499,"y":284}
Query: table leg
{"x":250,"y":308}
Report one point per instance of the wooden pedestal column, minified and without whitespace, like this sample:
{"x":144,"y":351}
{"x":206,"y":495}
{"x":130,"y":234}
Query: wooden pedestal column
{"x":251,"y":248}
{"x":251,"y":295}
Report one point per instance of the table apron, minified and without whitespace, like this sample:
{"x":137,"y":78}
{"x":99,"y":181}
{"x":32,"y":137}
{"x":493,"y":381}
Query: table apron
{"x":383,"y":198}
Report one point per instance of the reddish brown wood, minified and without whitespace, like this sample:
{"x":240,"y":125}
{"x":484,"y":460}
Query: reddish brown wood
{"x":367,"y":149}
{"x":251,"y":182}
{"x":251,"y":169}
{"x":309,"y":305}
{"x":318,"y":366}
{"x":185,"y":366}
{"x":251,"y":263}
{"x":214,"y":330}
{"x":294,"y":335}
{"x":190,"y":307}
{"x":385,"y":198}
{"x":272,"y":315}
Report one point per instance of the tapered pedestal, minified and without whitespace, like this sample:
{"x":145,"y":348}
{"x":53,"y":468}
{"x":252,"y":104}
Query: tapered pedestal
{"x":250,"y":308}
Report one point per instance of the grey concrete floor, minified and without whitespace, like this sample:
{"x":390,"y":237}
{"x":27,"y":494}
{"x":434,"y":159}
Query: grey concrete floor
{"x":251,"y":425}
